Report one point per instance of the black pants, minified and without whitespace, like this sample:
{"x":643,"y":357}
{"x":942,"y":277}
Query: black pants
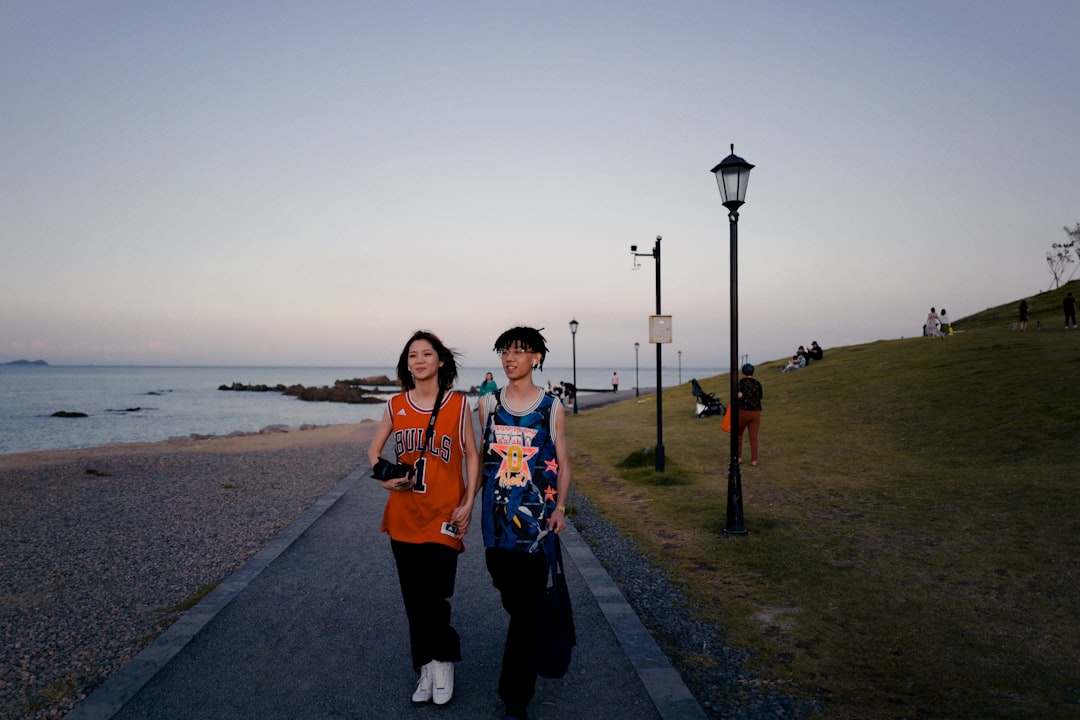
{"x":520,"y":578}
{"x":426,"y":572}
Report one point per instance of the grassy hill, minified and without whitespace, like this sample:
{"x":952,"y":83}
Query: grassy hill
{"x":914,"y":524}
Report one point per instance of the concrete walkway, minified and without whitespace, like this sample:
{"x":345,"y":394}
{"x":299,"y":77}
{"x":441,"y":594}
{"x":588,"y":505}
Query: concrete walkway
{"x":312,"y":628}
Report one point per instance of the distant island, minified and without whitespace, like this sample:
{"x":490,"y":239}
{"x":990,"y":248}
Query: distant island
{"x":25,"y":362}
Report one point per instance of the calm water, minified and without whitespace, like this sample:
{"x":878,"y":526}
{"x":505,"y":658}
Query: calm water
{"x":133,"y":404}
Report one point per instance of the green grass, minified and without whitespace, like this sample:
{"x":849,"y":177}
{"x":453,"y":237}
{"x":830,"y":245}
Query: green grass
{"x":913,"y":526}
{"x":172,"y":613}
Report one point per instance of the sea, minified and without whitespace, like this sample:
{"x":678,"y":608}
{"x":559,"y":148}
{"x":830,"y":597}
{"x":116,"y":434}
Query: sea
{"x":145,"y":404}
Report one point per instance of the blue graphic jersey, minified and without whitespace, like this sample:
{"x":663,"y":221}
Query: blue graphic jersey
{"x":520,"y":473}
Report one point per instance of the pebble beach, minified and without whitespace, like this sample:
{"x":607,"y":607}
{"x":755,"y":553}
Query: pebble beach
{"x":101,"y":549}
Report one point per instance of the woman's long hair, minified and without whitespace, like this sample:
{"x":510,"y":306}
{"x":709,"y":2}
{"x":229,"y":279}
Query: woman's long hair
{"x":447,"y":372}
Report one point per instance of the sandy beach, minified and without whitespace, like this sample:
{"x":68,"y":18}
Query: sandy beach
{"x":100,"y":549}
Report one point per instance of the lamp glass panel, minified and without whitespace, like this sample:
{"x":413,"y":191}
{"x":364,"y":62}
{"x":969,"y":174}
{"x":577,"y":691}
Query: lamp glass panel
{"x":744,"y":180}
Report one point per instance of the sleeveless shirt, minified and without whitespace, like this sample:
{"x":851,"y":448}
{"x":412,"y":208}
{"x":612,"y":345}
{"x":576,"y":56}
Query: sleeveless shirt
{"x":520,"y":474}
{"x":420,"y":515}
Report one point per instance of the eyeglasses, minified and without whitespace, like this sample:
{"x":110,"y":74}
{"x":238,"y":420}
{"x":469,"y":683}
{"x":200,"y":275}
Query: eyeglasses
{"x":514,"y":352}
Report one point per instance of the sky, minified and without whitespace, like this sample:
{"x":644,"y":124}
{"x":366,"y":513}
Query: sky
{"x":307,"y":183}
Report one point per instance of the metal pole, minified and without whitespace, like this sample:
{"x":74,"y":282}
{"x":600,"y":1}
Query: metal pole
{"x":680,"y":367}
{"x":573,"y":345}
{"x":659,"y":380}
{"x":736,"y":524}
{"x":637,"y":383}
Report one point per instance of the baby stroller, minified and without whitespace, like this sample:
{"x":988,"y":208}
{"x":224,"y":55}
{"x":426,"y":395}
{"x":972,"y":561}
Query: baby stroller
{"x":707,"y":403}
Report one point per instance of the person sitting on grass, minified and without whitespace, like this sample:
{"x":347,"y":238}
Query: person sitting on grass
{"x":797,"y":362}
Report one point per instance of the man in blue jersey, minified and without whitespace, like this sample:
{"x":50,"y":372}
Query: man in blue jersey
{"x":526,"y":479}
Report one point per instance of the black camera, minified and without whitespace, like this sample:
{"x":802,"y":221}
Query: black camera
{"x":385,"y":470}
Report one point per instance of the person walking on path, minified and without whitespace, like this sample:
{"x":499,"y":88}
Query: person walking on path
{"x":946,"y":326}
{"x":1069,"y":304}
{"x":1023,"y":314}
{"x":933,"y":324}
{"x":614,"y":382}
{"x":750,"y":395}
{"x":430,"y":503}
{"x":526,"y":480}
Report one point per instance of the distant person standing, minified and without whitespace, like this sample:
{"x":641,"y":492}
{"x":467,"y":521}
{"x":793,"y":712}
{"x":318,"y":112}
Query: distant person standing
{"x":946,"y":326}
{"x":750,"y":395}
{"x":614,"y":382}
{"x":488,"y":386}
{"x":1069,"y":303}
{"x":1023,"y":314}
{"x":933,"y":324}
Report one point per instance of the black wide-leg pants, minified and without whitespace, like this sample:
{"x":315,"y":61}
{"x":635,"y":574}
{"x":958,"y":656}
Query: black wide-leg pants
{"x":520,"y":578}
{"x":427,"y":572}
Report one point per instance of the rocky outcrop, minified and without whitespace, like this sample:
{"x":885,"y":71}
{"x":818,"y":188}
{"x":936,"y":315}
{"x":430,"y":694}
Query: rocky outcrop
{"x":357,"y":391}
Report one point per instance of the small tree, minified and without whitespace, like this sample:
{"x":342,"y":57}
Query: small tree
{"x":1060,"y":255}
{"x":1074,"y":239}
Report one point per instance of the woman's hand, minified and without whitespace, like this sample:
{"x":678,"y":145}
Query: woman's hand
{"x":461,"y":517}
{"x":399,"y":484}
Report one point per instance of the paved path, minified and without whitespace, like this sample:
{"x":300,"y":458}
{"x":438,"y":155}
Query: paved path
{"x":312,"y":628}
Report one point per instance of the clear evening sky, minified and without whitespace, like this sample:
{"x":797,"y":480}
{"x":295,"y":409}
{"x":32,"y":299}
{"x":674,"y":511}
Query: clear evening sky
{"x":306,"y":183}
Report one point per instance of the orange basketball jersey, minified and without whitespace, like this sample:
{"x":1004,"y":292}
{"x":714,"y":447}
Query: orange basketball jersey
{"x":422,"y":514}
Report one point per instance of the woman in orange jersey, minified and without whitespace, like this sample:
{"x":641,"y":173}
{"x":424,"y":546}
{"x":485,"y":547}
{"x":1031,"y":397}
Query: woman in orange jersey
{"x":432,"y":490}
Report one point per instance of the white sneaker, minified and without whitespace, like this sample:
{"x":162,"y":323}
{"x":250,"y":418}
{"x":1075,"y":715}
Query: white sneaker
{"x":423,"y":688}
{"x":443,"y":685}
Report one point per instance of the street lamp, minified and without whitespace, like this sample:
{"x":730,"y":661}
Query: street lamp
{"x":732,"y":174}
{"x":680,"y":367}
{"x":573,"y":342}
{"x":637,"y":385}
{"x":659,"y":453}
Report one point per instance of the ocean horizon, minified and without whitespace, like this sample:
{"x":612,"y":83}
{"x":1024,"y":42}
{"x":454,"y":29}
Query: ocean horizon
{"x":149,"y":403}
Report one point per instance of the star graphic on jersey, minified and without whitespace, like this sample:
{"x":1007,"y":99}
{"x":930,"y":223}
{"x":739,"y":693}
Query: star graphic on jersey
{"x":549,"y":494}
{"x":551,"y":466}
{"x":519,"y":456}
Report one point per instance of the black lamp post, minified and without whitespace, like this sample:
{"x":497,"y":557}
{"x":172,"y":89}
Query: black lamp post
{"x":637,"y":384}
{"x":680,"y":367}
{"x":659,"y":453}
{"x":732,"y":174}
{"x":573,"y":342}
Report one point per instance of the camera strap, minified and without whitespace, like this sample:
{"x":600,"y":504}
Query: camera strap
{"x":430,"y":432}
